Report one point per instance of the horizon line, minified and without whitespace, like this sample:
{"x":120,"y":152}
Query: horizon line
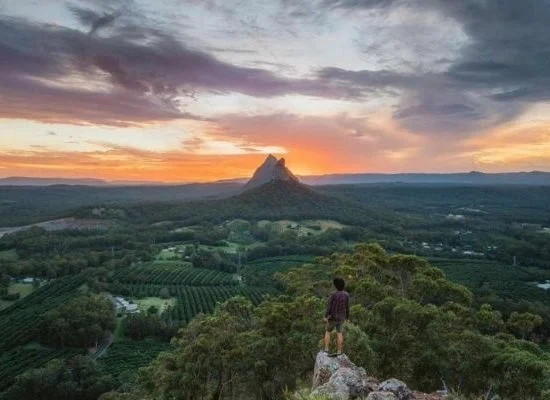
{"x":227,"y":180}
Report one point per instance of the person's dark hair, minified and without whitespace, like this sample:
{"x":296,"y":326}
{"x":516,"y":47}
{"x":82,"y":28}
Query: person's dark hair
{"x":339,"y":283}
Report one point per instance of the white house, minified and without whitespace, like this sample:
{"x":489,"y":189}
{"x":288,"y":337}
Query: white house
{"x":123,"y":304}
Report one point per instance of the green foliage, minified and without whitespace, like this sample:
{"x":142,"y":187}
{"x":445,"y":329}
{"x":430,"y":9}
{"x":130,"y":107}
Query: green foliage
{"x":260,"y":272}
{"x":419,"y":325}
{"x":172,"y":273}
{"x":215,"y":260}
{"x":75,"y":378}
{"x":523,"y":323}
{"x":408,"y":321}
{"x":20,"y":359}
{"x":141,"y":326}
{"x":241,"y":351}
{"x":191,"y":301}
{"x":164,"y":293}
{"x":128,"y":356}
{"x":18,"y":322}
{"x":82,"y":322}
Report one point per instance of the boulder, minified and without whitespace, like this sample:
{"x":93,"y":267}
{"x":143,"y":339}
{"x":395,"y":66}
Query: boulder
{"x":332,"y":390}
{"x":339,"y":379}
{"x":398,"y":388}
{"x":381,"y":396}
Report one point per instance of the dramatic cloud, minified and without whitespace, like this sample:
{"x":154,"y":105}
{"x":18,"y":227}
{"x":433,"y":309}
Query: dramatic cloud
{"x":500,"y":70}
{"x":335,"y":85}
{"x":132,"y":76}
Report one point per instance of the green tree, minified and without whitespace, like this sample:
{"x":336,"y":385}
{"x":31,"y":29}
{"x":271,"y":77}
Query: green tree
{"x":523,"y":323}
{"x":72,"y":379}
{"x":82,"y":322}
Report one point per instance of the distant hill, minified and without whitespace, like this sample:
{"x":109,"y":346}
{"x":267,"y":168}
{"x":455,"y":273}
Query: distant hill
{"x":274,"y":200}
{"x":469,"y":178}
{"x":26,"y":181}
{"x":465,"y":178}
{"x":27,"y":204}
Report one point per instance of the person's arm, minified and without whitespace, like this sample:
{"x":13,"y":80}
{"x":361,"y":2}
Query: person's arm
{"x":329,"y":307}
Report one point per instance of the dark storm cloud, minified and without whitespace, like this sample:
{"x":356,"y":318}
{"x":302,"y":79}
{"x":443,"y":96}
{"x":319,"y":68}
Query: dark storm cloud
{"x":360,"y":3}
{"x":510,"y":47}
{"x":84,"y":15}
{"x":504,"y":67}
{"x":149,"y":71}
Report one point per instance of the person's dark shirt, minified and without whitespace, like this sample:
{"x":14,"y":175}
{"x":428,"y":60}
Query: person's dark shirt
{"x":338,"y":306}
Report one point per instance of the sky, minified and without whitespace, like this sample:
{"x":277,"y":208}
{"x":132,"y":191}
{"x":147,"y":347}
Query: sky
{"x":201,"y":90}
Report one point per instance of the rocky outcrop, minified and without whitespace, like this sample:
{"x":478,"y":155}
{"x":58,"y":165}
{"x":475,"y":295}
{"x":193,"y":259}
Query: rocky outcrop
{"x":398,"y":388}
{"x":271,"y":170}
{"x":337,"y":378}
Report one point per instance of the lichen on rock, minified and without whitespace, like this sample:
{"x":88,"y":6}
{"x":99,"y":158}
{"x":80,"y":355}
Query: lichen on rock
{"x":337,"y":378}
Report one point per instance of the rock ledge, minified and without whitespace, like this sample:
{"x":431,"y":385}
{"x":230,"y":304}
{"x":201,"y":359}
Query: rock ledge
{"x":337,"y":378}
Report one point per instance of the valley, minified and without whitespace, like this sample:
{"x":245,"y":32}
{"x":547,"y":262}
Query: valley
{"x":165,"y":264}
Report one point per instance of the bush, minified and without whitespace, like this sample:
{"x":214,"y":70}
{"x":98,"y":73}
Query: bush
{"x":11,"y":296}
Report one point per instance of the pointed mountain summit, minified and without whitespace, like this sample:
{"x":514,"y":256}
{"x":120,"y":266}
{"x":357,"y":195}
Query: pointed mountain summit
{"x":271,"y":170}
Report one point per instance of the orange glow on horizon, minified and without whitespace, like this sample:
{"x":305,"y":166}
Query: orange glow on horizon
{"x":313,"y":147}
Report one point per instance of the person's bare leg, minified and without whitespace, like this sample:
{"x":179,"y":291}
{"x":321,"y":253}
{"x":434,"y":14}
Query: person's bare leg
{"x":340,"y":342}
{"x":327,"y":341}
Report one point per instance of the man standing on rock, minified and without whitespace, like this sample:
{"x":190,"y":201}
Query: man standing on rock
{"x":336,"y":314}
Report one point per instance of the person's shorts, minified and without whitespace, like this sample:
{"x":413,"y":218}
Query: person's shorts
{"x":332,"y":325}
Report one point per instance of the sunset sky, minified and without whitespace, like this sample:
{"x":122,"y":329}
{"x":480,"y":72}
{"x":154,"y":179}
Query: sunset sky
{"x":199,"y":90}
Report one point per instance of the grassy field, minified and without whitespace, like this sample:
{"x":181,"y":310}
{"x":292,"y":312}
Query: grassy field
{"x":8,"y":255}
{"x":119,"y":329}
{"x":160,"y":304}
{"x":173,"y":253}
{"x":24,"y":289}
{"x":302,"y":228}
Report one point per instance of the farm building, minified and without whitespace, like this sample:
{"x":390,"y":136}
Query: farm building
{"x":123,"y":304}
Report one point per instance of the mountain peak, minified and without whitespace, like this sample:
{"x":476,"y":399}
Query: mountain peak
{"x":270,"y":170}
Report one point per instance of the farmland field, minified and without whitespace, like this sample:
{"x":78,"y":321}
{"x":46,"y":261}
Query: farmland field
{"x":192,"y":300}
{"x":18,"y":321}
{"x":24,"y":289}
{"x":173,"y":273}
{"x":16,"y":361}
{"x":129,"y":356}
